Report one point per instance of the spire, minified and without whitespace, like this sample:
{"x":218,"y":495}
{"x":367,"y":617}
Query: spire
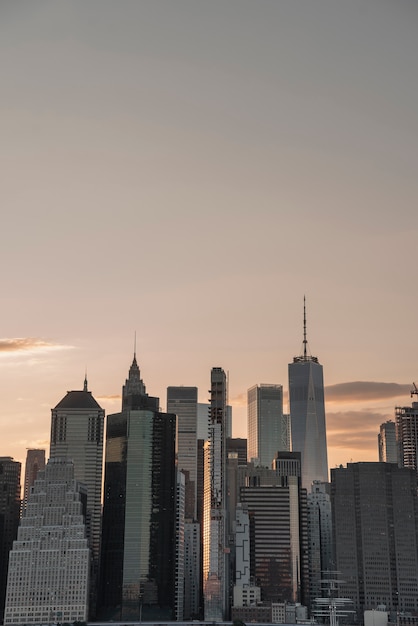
{"x":85,"y":381}
{"x":134,"y":360}
{"x":305,"y":355}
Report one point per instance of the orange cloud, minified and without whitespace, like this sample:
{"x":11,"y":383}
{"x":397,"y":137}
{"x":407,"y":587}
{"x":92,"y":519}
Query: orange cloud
{"x":28,"y":344}
{"x":365,"y":390}
{"x":354,"y":429}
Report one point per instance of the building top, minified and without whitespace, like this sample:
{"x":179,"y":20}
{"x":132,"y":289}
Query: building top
{"x":78,"y":400}
{"x":305,"y":356}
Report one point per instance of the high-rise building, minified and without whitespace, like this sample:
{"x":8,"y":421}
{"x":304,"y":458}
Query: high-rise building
{"x":307,"y":414}
{"x":277,"y":511}
{"x":35,"y":461}
{"x":182,"y":401}
{"x":319,"y":536}
{"x":386,"y":439}
{"x":77,"y":433}
{"x":48,"y":579}
{"x":215,"y":525}
{"x":375,"y":530}
{"x":9,"y":516}
{"x":407,"y":435}
{"x":139,"y":510}
{"x":266,"y":429}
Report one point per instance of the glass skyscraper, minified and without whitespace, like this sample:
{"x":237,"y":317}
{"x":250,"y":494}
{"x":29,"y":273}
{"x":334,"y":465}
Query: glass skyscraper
{"x":267,"y":433}
{"x":307,"y":414}
{"x":138,"y":543}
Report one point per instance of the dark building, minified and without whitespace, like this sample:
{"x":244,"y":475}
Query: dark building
{"x":138,"y":544}
{"x":9,"y":517}
{"x":375,"y":532}
{"x":237,"y":446}
{"x":277,"y":509}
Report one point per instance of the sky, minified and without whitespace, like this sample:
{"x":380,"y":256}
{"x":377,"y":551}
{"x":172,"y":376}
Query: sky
{"x":187,"y":171}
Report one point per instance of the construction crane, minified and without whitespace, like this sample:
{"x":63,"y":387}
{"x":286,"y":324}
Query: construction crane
{"x":414,"y":391}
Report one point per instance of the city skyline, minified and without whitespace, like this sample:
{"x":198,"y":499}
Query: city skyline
{"x":158,"y":154}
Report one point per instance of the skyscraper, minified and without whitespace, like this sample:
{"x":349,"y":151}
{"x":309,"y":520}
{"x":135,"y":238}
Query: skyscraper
{"x":35,"y":461}
{"x":139,"y":512}
{"x":215,"y":544}
{"x":9,"y":516}
{"x":386,"y":439}
{"x":307,"y":414}
{"x":182,"y":401}
{"x":266,"y":429}
{"x":77,"y":434}
{"x":48,"y":579}
{"x":407,"y":435}
{"x":319,"y":536}
{"x":375,"y":529}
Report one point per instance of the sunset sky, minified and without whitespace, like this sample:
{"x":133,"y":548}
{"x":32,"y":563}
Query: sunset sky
{"x":188,"y":170}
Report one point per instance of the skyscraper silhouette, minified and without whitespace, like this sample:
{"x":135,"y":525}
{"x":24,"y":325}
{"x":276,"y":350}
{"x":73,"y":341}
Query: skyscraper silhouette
{"x":307,"y":413}
{"x":138,"y":544}
{"x":267,"y":433}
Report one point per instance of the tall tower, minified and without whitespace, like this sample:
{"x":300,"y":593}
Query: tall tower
{"x":35,"y":462}
{"x":215,"y":526}
{"x":407,"y":434}
{"x":266,"y":431}
{"x":386,"y":439}
{"x":9,"y":516}
{"x":307,"y":413}
{"x":139,"y":511}
{"x":77,"y":434}
{"x":48,"y":579}
{"x":182,"y":401}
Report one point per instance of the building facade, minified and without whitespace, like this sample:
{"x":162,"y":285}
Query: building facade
{"x":307,"y":413}
{"x":139,"y":512}
{"x":386,"y":440}
{"x":375,"y":531}
{"x":182,"y":401}
{"x":267,"y":432}
{"x":77,"y":424}
{"x":35,"y":461}
{"x":319,"y":536}
{"x":407,"y":435}
{"x":49,"y":568}
{"x":215,"y":523}
{"x":9,"y":516}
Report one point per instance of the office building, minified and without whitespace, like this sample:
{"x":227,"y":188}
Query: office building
{"x":179,"y":583}
{"x":277,"y":511}
{"x":192,"y":570}
{"x":35,"y":461}
{"x":319,"y":536}
{"x":386,"y":439}
{"x":139,"y":511}
{"x":375,"y":530}
{"x":407,"y":435}
{"x":48,"y":579}
{"x":182,"y":401}
{"x":307,"y":413}
{"x":77,"y":424}
{"x":9,"y":516}
{"x":215,"y":524}
{"x":266,"y":432}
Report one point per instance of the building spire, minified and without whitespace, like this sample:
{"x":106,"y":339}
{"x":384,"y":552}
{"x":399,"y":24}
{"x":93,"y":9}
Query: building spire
{"x":135,"y":347}
{"x":85,"y":381}
{"x":305,"y":341}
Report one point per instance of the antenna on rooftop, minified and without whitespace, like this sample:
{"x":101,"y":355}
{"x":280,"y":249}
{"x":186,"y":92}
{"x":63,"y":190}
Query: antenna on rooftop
{"x":305,"y":341}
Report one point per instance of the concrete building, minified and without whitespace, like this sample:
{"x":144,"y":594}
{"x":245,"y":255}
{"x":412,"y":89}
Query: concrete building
{"x":179,"y":584}
{"x":192,"y":570}
{"x":49,"y":567}
{"x":375,"y":530}
{"x":215,"y":524}
{"x":77,"y":424}
{"x":267,"y":433}
{"x":407,"y":435}
{"x":182,"y":401}
{"x":9,"y":516}
{"x":35,"y":461}
{"x":276,"y":506}
{"x":319,"y":536}
{"x":307,"y":411}
{"x":139,"y":510}
{"x":386,"y":440}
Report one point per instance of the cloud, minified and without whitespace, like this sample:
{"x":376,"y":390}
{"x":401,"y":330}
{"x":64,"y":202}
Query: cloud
{"x":28,"y":345}
{"x":113,"y":398}
{"x":365,"y":390}
{"x":355,"y":429}
{"x":239,"y":401}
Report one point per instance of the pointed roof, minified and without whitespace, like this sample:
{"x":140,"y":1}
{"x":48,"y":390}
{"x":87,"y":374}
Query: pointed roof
{"x":78,"y":400}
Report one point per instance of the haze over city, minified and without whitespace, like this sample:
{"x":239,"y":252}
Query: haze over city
{"x":189,"y":171}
